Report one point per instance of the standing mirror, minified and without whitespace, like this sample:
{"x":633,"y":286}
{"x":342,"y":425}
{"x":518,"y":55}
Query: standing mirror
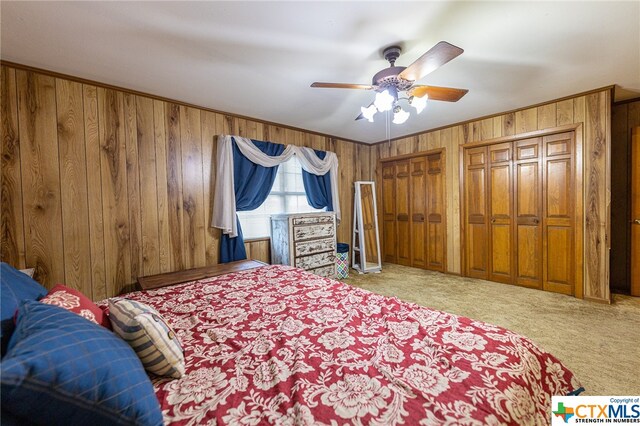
{"x":366,"y":241}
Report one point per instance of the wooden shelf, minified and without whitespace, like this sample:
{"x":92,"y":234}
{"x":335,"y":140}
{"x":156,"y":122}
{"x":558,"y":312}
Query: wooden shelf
{"x":170,"y":278}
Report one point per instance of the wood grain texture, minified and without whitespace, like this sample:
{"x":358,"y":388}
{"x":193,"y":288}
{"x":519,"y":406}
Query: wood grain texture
{"x":547,"y":116}
{"x":509,"y":124}
{"x":133,"y":185}
{"x":210,"y":134}
{"x":192,"y":188}
{"x":625,"y":117}
{"x":108,"y":227}
{"x":12,"y":246}
{"x":164,"y":235}
{"x":596,"y":187}
{"x":115,"y":207}
{"x":73,"y":188}
{"x":93,"y":150}
{"x":174,"y":186}
{"x":564,"y":112}
{"x":146,"y":148}
{"x":40,"y":175}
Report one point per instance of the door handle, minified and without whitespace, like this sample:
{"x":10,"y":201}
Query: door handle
{"x":493,"y":221}
{"x":536,"y":221}
{"x":637,"y":221}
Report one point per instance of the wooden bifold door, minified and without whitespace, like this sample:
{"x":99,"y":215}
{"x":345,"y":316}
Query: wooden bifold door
{"x":413,"y":224}
{"x":519,"y":214}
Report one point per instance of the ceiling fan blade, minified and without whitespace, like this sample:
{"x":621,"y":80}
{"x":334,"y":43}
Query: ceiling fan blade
{"x":342,"y":86}
{"x":447,"y":94}
{"x":437,"y":56}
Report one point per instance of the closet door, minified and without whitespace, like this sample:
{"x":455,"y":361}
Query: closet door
{"x":403,"y":228}
{"x":435,"y":214}
{"x":558,"y":217}
{"x":388,"y":212}
{"x":528,"y":212}
{"x":418,"y":210}
{"x":501,"y":210}
{"x":476,"y":214}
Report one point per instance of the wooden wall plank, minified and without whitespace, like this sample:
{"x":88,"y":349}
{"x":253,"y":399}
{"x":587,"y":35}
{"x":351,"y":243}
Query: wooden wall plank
{"x":133,"y":185}
{"x":12,"y":248}
{"x":165,"y":254}
{"x":486,"y":129}
{"x":451,"y":168}
{"x":633,"y":115}
{"x":547,"y":116}
{"x":526,"y":120}
{"x":192,"y":188}
{"x":39,"y":163}
{"x":346,"y":176}
{"x":98,"y":275}
{"x":564,"y":112}
{"x":209,"y":154}
{"x":595,"y":193}
{"x":624,"y":118}
{"x":73,"y":190}
{"x":145,"y":140}
{"x":174,"y":185}
{"x":260,"y":250}
{"x":454,"y":263}
{"x":114,"y":190}
{"x":114,"y":183}
{"x":509,"y":124}
{"x":497,"y":127}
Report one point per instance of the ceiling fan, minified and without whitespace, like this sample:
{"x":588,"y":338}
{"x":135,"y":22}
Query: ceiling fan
{"x":389,"y":82}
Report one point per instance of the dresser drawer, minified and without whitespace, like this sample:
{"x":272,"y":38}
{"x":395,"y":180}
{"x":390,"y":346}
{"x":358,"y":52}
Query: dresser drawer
{"x":308,"y":232}
{"x":325,"y":271}
{"x":316,"y":260}
{"x":305,"y":248}
{"x":312,"y":220}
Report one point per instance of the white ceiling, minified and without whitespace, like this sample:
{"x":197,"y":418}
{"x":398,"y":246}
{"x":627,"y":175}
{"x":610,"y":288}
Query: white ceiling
{"x":258,"y":58}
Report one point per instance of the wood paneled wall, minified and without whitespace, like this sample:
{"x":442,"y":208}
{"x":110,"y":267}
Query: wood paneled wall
{"x":624,"y":117}
{"x":592,"y":111}
{"x":100,"y":186}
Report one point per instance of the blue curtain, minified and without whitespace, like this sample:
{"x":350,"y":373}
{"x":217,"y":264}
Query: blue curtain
{"x":252,"y":184}
{"x":318,"y":188}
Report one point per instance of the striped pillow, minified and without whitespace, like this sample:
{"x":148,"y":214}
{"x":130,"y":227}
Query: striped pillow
{"x":149,"y":335}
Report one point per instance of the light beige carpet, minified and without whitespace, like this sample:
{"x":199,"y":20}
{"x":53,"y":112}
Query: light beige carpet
{"x":599,"y":343}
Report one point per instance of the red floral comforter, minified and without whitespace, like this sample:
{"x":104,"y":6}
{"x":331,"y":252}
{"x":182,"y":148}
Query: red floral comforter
{"x":277,"y":345}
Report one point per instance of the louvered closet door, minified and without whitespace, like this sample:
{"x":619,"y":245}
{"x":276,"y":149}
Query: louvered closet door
{"x":388,"y":212}
{"x":558,"y":217}
{"x":501,"y":208}
{"x":476,"y":238}
{"x":528,"y":212}
{"x":435,"y":214}
{"x":403,"y":228}
{"x":418,"y":210}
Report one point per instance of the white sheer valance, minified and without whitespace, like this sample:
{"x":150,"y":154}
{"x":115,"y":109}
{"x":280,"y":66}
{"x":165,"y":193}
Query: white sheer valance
{"x":224,"y":204}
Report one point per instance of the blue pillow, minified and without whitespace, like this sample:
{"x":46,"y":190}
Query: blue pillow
{"x":15,"y":287}
{"x":62,"y":369}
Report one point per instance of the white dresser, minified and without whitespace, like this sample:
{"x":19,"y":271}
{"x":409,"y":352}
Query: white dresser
{"x":305,"y":240}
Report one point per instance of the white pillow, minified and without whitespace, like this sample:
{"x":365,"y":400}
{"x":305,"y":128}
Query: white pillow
{"x":29,"y":272}
{"x":149,"y":335}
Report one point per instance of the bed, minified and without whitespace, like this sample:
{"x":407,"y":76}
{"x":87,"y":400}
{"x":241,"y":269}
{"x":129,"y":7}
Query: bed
{"x":278,"y":345}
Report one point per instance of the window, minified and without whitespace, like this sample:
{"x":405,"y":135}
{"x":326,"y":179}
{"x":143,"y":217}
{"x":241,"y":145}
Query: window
{"x":286,"y":196}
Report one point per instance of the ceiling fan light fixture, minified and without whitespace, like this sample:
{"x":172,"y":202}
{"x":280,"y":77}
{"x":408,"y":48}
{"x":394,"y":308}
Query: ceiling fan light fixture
{"x":419,"y":103}
{"x":385,"y":100}
{"x":369,"y":112}
{"x":399,"y":115}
